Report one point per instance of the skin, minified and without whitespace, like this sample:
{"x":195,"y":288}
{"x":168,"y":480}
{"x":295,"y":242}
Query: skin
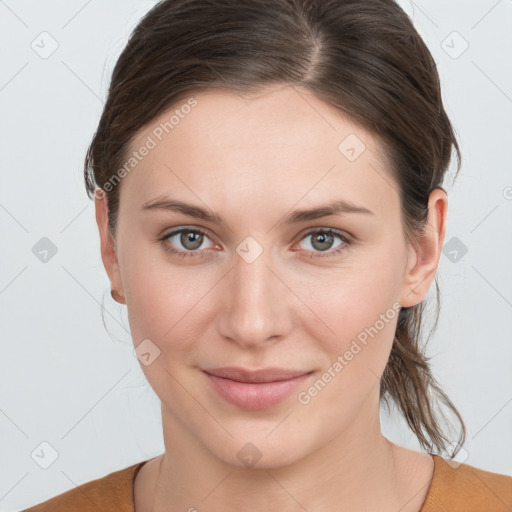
{"x":251,"y":160}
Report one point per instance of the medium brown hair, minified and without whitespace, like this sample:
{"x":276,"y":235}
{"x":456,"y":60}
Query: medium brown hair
{"x":364,"y":57}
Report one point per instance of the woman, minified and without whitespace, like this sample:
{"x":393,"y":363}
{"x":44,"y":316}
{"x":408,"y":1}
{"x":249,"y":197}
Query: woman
{"x":267,"y":177}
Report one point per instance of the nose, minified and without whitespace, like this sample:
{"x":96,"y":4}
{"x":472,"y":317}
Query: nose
{"x":257,"y":307}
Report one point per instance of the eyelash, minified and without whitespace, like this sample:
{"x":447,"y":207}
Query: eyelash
{"x":316,"y":254}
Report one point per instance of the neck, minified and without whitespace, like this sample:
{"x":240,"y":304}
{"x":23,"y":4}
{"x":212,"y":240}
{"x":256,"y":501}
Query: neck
{"x":357,"y":470}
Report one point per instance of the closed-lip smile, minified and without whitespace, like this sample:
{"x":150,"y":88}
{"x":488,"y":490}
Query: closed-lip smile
{"x":255,"y":376}
{"x":255,"y":389}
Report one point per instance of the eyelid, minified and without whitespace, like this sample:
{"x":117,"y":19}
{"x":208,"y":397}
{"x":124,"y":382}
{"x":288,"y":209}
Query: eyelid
{"x":325,"y":229}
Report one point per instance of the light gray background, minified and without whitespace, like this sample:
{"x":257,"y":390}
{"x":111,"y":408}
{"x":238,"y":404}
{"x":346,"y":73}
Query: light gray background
{"x":66,"y":381}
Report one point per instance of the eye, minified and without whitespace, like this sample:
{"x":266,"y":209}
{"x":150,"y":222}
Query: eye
{"x":191,"y":239}
{"x":322,"y":241}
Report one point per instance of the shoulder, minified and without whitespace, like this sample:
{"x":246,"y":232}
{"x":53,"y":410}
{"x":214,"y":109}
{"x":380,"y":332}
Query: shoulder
{"x":110,"y":492}
{"x":461,"y":487}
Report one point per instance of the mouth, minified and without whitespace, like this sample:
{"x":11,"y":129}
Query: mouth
{"x":255,"y":389}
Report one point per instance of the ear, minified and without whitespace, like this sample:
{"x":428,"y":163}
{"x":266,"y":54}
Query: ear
{"x":108,"y":245}
{"x":423,"y":259}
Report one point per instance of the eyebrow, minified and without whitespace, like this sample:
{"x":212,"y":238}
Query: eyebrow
{"x":336,"y":207}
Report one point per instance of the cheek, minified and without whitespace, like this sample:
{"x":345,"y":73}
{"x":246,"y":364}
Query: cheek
{"x":362,"y":320}
{"x":363,"y":335}
{"x":165,"y":305}
{"x":351,"y":300}
{"x":354,"y":326}
{"x":164,"y":301}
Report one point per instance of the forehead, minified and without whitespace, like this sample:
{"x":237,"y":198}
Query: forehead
{"x":279,"y":145}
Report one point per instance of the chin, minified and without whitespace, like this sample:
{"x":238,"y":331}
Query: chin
{"x":269,"y":448}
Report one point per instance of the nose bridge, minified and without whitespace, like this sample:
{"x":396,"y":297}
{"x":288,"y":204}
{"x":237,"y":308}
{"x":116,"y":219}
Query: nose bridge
{"x":256,"y":309}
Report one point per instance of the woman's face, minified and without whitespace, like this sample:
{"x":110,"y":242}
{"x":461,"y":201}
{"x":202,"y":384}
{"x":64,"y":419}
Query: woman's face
{"x":261,"y":285}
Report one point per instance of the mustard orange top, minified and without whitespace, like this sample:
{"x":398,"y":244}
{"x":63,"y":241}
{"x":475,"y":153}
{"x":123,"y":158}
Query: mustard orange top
{"x":453,"y":489}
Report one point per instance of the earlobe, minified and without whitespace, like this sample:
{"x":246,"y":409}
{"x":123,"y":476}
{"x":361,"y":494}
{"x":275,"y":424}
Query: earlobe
{"x":424,"y":258}
{"x":107,"y":245}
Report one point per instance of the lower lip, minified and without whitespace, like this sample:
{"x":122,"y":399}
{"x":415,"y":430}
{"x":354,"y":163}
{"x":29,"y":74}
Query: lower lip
{"x":254,"y":396}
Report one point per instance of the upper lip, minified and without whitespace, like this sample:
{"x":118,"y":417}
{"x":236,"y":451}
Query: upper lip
{"x":264,"y":375}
